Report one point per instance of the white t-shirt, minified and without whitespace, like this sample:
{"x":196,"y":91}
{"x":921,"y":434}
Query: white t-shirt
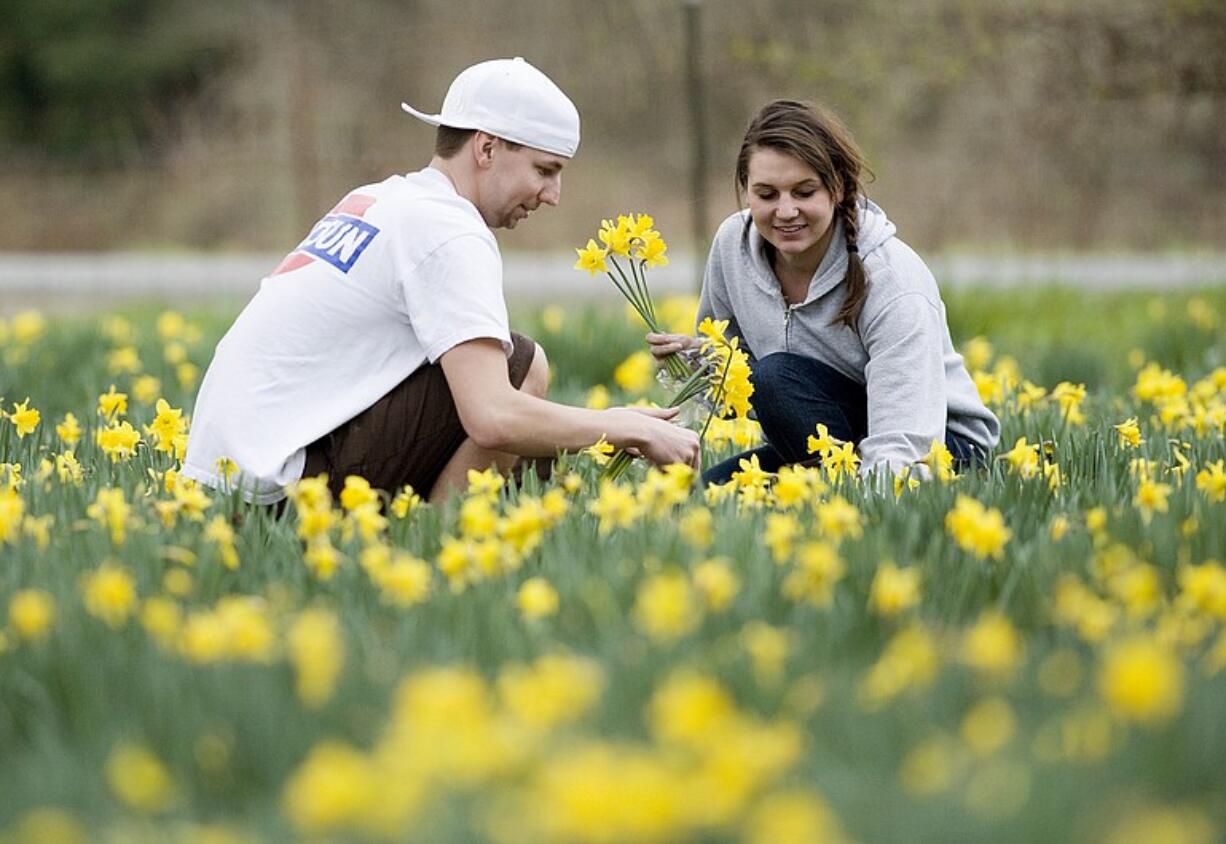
{"x":394,"y":276}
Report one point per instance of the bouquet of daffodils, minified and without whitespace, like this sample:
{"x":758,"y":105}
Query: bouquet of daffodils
{"x":718,"y":376}
{"x":631,"y":245}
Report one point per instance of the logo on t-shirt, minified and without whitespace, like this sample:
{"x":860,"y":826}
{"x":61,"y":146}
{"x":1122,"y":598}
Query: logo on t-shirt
{"x":339,"y":238}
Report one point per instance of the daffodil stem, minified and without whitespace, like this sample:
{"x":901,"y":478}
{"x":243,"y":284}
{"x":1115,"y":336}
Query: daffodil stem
{"x":719,"y":397}
{"x":631,"y":291}
{"x":630,"y":297}
{"x":693,"y":385}
{"x":616,"y":466}
{"x":640,"y":277}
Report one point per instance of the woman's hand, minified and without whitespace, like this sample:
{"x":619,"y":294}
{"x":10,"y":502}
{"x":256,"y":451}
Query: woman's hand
{"x":662,"y":345}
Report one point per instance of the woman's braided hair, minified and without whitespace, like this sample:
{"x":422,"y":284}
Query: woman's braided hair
{"x":816,"y":137}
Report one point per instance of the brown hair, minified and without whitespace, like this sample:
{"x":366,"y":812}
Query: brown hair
{"x":816,"y":137}
{"x":448,"y":140}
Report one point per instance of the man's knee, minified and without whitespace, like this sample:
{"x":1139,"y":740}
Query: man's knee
{"x":528,"y":367}
{"x":536,"y":382}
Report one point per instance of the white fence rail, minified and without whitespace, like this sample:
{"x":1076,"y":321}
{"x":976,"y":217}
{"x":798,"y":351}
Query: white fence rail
{"x":60,"y":281}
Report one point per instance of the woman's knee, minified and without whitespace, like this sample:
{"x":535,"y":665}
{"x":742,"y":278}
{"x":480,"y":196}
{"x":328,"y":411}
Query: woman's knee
{"x":771,"y":374}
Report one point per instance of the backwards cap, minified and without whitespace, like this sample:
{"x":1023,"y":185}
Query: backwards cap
{"x":513,"y":100}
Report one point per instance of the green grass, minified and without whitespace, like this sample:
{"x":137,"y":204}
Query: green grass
{"x":67,"y":701}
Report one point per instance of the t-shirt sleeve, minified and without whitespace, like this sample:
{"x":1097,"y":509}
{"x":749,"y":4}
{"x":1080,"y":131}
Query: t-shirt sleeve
{"x":455,"y":295}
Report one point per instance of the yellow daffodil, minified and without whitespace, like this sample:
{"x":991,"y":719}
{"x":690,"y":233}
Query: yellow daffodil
{"x":24,"y":418}
{"x":592,"y":258}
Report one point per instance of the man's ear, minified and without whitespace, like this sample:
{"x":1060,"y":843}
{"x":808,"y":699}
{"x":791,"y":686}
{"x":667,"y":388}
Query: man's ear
{"x":483,"y":145}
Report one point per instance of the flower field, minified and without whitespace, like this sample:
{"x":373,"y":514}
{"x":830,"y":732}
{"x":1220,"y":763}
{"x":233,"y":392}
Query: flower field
{"x":1034,"y":651}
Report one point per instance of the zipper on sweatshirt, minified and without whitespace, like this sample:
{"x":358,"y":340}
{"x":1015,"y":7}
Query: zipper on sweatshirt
{"x":787,"y":322}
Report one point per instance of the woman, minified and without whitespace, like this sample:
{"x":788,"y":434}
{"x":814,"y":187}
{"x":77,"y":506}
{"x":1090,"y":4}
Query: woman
{"x":843,"y":320}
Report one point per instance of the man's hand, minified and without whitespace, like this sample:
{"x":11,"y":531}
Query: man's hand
{"x":662,"y":441}
{"x":498,"y":417}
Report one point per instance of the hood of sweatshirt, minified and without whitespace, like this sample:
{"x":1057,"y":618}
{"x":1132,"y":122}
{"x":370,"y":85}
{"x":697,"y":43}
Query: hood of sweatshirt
{"x":875,"y":231}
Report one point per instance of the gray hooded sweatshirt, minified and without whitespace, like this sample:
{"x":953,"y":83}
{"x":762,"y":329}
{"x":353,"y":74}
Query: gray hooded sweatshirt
{"x":916,"y":383}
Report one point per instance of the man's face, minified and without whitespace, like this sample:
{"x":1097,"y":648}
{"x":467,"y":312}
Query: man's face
{"x":518,"y":182}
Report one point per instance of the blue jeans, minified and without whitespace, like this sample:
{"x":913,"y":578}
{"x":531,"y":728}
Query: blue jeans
{"x":792,"y":394}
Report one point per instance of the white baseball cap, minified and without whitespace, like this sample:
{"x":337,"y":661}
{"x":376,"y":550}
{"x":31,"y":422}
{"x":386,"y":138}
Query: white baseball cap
{"x":513,"y":100}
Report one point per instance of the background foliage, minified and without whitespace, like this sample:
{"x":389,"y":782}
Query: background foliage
{"x":1040,"y":124}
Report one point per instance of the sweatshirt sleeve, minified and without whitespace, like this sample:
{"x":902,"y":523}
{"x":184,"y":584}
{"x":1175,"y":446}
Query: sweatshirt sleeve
{"x":905,"y":380}
{"x":713,"y":300}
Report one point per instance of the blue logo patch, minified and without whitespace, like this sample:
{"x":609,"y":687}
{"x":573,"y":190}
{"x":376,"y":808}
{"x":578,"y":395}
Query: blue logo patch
{"x":339,"y":239}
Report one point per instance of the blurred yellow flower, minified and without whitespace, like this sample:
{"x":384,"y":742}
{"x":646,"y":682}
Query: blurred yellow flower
{"x":839,"y":519}
{"x":69,"y":430}
{"x":636,"y":373}
{"x":186,"y":374}
{"x":977,"y":353}
{"x":940,"y":461}
{"x":930,"y":766}
{"x":405,"y":502}
{"x":110,"y":594}
{"x":118,"y":441}
{"x":28,"y":326}
{"x":794,"y":816}
{"x":615,"y":506}
{"x":48,"y":825}
{"x":988,"y":726}
{"x":167,"y":426}
{"x":716,"y":582}
{"x":1129,"y":433}
{"x":357,"y":492}
{"x":894,"y":590}
{"x":110,"y":509}
{"x":536,"y":598}
{"x":1212,"y":481}
{"x":1070,"y":396}
{"x":317,"y":651}
{"x":665,"y":608}
{"x":139,"y":779}
{"x":690,"y":709}
{"x":817,"y":570}
{"x":31,"y":614}
{"x":992,"y":646}
{"x":24,"y":418}
{"x":1141,"y":680}
{"x":1163,"y":825}
{"x":1150,"y":498}
{"x":1023,"y":458}
{"x":146,"y":388}
{"x":12,"y":511}
{"x":600,"y":451}
{"x":555,"y":689}
{"x":405,"y":581}
{"x":112,"y":404}
{"x":779,"y":535}
{"x":978,"y":529}
{"x":335,"y":788}
{"x":695,"y":526}
{"x":909,"y":661}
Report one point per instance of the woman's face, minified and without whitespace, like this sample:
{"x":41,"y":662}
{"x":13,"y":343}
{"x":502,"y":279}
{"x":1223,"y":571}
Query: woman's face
{"x":789,"y":206}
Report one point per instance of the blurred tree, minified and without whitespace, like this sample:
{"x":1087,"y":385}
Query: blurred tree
{"x":94,"y":81}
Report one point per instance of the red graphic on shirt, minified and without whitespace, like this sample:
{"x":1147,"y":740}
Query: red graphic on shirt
{"x":354,"y":205}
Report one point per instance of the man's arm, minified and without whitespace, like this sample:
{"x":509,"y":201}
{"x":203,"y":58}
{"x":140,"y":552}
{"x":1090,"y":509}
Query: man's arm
{"x":499,"y":417}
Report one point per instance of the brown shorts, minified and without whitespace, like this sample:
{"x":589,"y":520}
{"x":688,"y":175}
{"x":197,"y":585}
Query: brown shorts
{"x":407,"y":436}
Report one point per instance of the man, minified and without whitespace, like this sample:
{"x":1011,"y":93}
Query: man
{"x":380,"y":346}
